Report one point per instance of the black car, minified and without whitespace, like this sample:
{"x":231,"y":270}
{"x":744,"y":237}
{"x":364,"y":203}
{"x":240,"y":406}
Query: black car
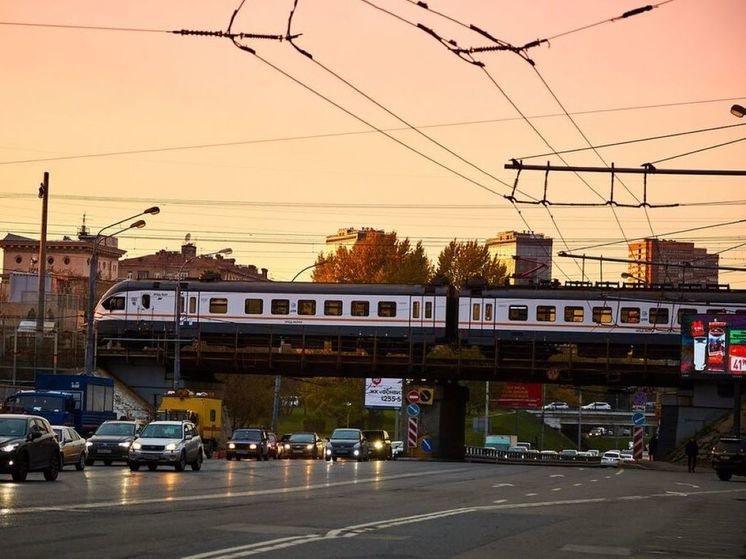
{"x":28,"y":444}
{"x":248,"y":443}
{"x":379,"y":444}
{"x":729,"y":457}
{"x":112,"y":441}
{"x":304,"y":445}
{"x":347,"y":443}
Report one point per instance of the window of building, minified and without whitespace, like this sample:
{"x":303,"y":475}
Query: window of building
{"x":129,"y":275}
{"x":415,"y":309}
{"x":19,"y":259}
{"x":280,"y":306}
{"x":658,"y":316}
{"x":428,"y":309}
{"x":681,"y":312}
{"x":602,"y":315}
{"x":253,"y":306}
{"x":218,"y":305}
{"x":629,"y":315}
{"x":546,"y":313}
{"x":386,"y":308}
{"x":488,"y":312}
{"x":50,"y":260}
{"x":142,"y":274}
{"x":66,"y":260}
{"x":307,"y":307}
{"x":574,"y":314}
{"x":475,"y":311}
{"x":145,"y":301}
{"x":333,"y":308}
{"x":360,"y":308}
{"x":517,"y":312}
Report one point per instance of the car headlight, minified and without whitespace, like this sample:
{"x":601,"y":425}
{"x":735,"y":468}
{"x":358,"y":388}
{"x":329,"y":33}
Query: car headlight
{"x":356,"y":452}
{"x":88,"y":444}
{"x":309,"y":447}
{"x":378,"y":445}
{"x":9,"y":447}
{"x":171,"y":446}
{"x":287,"y":446}
{"x":136,"y":446}
{"x":125,"y":444}
{"x":231,"y":446}
{"x":328,"y":451}
{"x":252,"y":446}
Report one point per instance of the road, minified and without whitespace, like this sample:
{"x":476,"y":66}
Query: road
{"x":406,"y":508}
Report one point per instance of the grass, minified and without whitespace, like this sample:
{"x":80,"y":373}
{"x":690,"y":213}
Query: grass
{"x":526,"y":425}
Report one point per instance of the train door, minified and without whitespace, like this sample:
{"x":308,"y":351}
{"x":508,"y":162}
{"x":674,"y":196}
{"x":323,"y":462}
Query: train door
{"x":189,"y":307}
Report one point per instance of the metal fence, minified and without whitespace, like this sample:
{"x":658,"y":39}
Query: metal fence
{"x":529,"y":457}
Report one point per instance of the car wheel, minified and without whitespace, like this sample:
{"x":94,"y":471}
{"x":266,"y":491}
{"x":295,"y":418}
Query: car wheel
{"x":107,"y":462}
{"x":134,"y":466}
{"x":152,"y":467}
{"x":334,"y":458}
{"x":51,"y":473}
{"x":80,"y":466}
{"x":20,"y":469}
{"x":229,"y":457}
{"x":89,"y":462}
{"x":62,"y":461}
{"x":181,"y":463}
{"x":197,"y":464}
{"x":723,"y":475}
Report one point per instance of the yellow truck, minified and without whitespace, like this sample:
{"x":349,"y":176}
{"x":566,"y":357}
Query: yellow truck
{"x":205,"y":411}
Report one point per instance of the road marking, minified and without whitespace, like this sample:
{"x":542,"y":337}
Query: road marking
{"x":500,"y":501}
{"x":688,"y":485}
{"x":557,"y":475}
{"x":620,"y":472}
{"x":503,"y":485}
{"x":557,"y":489}
{"x":598,"y":550}
{"x":594,"y":480}
{"x":531,"y":494}
{"x":607,"y":477}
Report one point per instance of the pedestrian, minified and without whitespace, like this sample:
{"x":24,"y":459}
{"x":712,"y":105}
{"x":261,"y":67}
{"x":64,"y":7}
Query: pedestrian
{"x":652,"y":447}
{"x":691,"y":450}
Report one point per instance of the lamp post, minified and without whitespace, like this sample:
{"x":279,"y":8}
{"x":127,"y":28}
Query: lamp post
{"x":627,"y":275}
{"x":177,"y":314}
{"x":739,"y":111}
{"x":349,"y":407}
{"x":92,"y":271}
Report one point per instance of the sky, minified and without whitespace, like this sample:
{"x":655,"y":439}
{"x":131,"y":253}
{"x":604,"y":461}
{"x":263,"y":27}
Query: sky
{"x":269,"y":152}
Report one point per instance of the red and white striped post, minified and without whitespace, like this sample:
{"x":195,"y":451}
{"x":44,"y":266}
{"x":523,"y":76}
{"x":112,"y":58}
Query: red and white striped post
{"x":412,"y":432}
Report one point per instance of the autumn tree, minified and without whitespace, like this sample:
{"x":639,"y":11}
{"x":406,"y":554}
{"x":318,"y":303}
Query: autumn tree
{"x":248,"y":398}
{"x":459,"y":262}
{"x":379,"y":258}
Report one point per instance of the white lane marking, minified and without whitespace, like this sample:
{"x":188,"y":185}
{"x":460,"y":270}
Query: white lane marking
{"x":215,"y":496}
{"x":594,"y":480}
{"x":675,"y":494}
{"x":598,"y":550}
{"x":556,"y":489}
{"x":531,"y":494}
{"x":500,"y":501}
{"x":503,"y":485}
{"x":577,"y":484}
{"x":557,"y":475}
{"x":688,"y":485}
{"x":607,"y":477}
{"x":620,"y":472}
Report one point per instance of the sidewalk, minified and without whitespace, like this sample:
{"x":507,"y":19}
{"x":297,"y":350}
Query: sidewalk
{"x":662,"y":466}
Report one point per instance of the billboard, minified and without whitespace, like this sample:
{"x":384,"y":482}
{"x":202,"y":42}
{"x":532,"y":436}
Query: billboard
{"x":713,"y":346}
{"x":383,"y":393}
{"x":520,"y":395}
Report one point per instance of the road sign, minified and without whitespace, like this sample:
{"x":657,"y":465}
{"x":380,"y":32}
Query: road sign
{"x":426,"y":396}
{"x":426,"y":444}
{"x":637,"y":442}
{"x":413,"y":410}
{"x":413,"y":396}
{"x":412,"y":432}
{"x":638,"y":418}
{"x":639,"y":398}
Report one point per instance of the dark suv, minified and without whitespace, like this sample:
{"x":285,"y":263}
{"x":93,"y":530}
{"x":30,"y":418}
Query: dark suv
{"x":28,"y":444}
{"x":248,"y":443}
{"x":347,"y":443}
{"x":379,"y":444}
{"x":729,"y":457}
{"x":112,"y":441}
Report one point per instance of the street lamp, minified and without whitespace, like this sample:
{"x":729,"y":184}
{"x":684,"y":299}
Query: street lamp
{"x":627,"y":275}
{"x":177,"y":313}
{"x":349,"y":407}
{"x":92,"y":271}
{"x":738,"y":110}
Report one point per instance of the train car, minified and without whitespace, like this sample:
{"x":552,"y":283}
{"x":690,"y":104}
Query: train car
{"x":142,"y":309}
{"x":588,"y":315}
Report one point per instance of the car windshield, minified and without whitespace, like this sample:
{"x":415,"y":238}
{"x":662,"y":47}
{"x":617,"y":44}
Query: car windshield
{"x":42,"y":403}
{"x":12,"y":427}
{"x":247,"y":435}
{"x":116,"y":429}
{"x":301,"y":438}
{"x":346,"y":434}
{"x":156,"y":431}
{"x":728,"y":446}
{"x":373,"y":435}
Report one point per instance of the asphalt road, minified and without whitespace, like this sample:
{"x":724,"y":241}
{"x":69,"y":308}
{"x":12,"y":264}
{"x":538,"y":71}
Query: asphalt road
{"x":406,"y":508}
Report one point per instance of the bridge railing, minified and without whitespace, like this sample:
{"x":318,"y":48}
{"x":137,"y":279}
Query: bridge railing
{"x":486,"y":454}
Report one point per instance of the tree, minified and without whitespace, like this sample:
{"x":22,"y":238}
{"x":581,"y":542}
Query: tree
{"x":328,"y":397}
{"x":380,"y":258}
{"x":459,"y":262}
{"x":248,"y":398}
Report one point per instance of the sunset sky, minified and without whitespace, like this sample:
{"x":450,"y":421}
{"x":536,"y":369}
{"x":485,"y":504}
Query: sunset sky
{"x":238,"y":151}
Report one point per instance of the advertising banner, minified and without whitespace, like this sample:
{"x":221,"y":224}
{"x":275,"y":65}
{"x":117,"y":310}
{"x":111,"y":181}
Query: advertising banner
{"x":383,"y":393}
{"x":713,"y":346}
{"x":520,"y":395}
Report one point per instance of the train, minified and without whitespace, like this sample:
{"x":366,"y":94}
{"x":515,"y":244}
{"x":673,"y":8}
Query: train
{"x":429,"y":314}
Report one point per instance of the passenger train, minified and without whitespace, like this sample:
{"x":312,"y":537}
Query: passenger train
{"x":409,"y":313}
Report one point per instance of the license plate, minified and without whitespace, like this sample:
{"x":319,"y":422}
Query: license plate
{"x":105,"y":451}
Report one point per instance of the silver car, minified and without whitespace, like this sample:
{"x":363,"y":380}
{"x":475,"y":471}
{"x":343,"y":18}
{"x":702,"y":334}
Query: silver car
{"x":170,"y":443}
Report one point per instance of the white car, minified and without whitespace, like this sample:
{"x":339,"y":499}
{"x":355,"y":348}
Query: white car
{"x":597,"y":406}
{"x":397,"y":449}
{"x":172,"y":443}
{"x":611,"y":458}
{"x":557,"y":406}
{"x":627,"y":456}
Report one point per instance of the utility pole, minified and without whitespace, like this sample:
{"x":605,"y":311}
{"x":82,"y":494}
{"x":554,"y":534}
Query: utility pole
{"x":41,"y":290}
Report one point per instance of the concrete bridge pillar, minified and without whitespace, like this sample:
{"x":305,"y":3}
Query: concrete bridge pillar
{"x":442,"y":422}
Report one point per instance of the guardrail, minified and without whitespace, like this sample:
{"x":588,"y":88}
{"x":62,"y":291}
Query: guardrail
{"x":485,"y":454}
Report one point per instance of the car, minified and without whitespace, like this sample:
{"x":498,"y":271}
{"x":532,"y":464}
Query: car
{"x":28,"y":444}
{"x":611,"y":458}
{"x":304,"y":445}
{"x":252,"y":442}
{"x":379,"y":444}
{"x":397,"y":449}
{"x":557,"y":406}
{"x":170,"y":443}
{"x":597,"y":432}
{"x":568,"y":453}
{"x":347,"y":443}
{"x":597,"y":406}
{"x":729,"y":457}
{"x":627,"y":456}
{"x":111,"y":442}
{"x":274,"y":447}
{"x":73,"y":449}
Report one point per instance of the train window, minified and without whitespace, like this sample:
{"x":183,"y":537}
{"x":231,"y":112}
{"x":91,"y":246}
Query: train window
{"x":573,"y":314}
{"x":145,"y":301}
{"x":415,"y":309}
{"x":602,"y":315}
{"x":386,"y":308}
{"x":114,"y":304}
{"x":333,"y":308}
{"x":680,"y":314}
{"x":360,"y":308}
{"x":218,"y":305}
{"x":716,"y":311}
{"x":546,"y":313}
{"x":253,"y":306}
{"x":181,"y":304}
{"x":658,"y":316}
{"x":192,"y":304}
{"x":428,"y":309}
{"x":488,"y":312}
{"x":280,"y":306}
{"x":307,"y":307}
{"x":629,"y":315}
{"x":517,"y":312}
{"x":475,"y":312}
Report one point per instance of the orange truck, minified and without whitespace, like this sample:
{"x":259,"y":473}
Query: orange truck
{"x":201,"y":408}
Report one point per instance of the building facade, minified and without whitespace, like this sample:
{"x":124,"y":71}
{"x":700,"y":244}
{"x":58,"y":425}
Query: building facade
{"x":526,"y":255}
{"x":350,"y":236}
{"x":658,"y":261}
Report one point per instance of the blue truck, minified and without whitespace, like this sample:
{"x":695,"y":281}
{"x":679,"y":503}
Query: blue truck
{"x":81,"y":401}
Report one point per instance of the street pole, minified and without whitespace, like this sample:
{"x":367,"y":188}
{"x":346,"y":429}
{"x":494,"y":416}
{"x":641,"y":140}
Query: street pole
{"x":737,"y":407}
{"x":42,"y":285}
{"x":543,"y":400}
{"x":486,"y":411}
{"x":276,"y":404}
{"x":580,"y":415}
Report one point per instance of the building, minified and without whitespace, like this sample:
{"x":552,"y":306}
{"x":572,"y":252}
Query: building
{"x":658,"y":261}
{"x":527,"y":256}
{"x":349,"y":236}
{"x":168,"y":264}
